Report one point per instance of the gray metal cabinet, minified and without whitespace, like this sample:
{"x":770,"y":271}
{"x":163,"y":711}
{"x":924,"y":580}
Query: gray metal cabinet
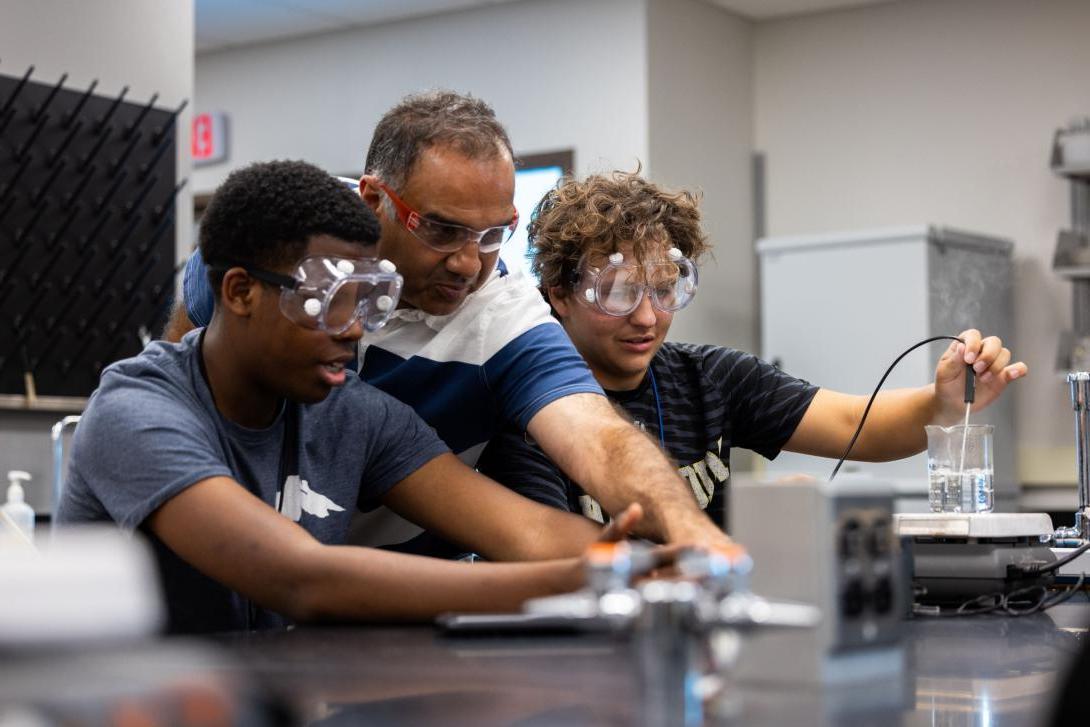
{"x":836,"y":310}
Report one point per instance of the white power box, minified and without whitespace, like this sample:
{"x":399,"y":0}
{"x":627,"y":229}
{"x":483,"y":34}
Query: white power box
{"x":831,"y":545}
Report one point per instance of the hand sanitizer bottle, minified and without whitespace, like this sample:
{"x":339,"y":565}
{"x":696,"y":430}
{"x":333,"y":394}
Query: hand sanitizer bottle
{"x":17,"y":512}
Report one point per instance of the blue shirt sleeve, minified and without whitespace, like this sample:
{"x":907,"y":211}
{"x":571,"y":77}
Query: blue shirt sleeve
{"x":535,"y":369}
{"x":197,"y":291}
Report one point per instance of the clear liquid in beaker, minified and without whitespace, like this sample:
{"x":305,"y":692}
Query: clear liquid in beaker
{"x":953,"y":491}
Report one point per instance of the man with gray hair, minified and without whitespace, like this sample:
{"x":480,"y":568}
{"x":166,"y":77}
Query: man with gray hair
{"x":473,"y":348}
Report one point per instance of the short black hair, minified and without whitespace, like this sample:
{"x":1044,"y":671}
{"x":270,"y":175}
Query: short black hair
{"x":265,"y":214}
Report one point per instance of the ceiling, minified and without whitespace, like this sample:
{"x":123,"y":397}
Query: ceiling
{"x":225,"y":23}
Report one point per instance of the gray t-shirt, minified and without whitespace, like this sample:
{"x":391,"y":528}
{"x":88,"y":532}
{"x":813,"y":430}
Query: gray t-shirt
{"x":151,"y":430}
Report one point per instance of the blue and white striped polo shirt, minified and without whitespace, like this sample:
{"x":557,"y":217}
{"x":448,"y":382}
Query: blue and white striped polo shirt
{"x":498,"y":359}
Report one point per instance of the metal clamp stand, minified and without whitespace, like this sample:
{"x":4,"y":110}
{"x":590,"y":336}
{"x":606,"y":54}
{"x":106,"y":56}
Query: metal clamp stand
{"x":57,"y":435}
{"x":1079,"y":381}
{"x":677,"y":624}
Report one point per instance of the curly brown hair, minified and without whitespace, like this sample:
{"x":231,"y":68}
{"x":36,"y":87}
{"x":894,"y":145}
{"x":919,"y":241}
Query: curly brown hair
{"x":600,"y":214}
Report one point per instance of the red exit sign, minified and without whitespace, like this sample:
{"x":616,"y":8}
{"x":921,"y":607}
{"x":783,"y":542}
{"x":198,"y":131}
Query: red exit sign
{"x":209,"y":138}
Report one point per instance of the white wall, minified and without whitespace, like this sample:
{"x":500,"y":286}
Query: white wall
{"x":145,"y":44}
{"x":937,"y":111}
{"x":700,"y":108}
{"x":561,"y":73}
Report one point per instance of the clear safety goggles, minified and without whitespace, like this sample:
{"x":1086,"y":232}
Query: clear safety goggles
{"x":332,"y":293}
{"x":446,"y":236}
{"x":618,"y":288}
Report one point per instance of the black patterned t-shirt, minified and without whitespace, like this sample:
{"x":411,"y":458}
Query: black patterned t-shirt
{"x":708,"y":399}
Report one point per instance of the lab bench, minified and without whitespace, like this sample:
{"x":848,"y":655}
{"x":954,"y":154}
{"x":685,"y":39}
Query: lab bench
{"x":986,"y":671}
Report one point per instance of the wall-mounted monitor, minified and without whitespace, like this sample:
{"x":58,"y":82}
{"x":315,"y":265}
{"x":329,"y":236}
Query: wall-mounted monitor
{"x":535,"y":174}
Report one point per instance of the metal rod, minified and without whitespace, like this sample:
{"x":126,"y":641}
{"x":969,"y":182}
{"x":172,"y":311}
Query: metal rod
{"x":140,"y":117}
{"x":111,"y":271}
{"x":1079,"y":383}
{"x":1080,"y":205}
{"x":150,"y":164}
{"x":110,"y":112}
{"x":47,"y":268}
{"x":57,"y":435}
{"x":95,"y":230}
{"x":154,"y":237}
{"x":125,"y":154}
{"x":97,"y":147}
{"x":132,"y":205}
{"x":18,"y":88}
{"x":135,"y":280}
{"x":1084,"y":482}
{"x":168,"y":125}
{"x":64,"y":144}
{"x":33,"y":136}
{"x":111,"y":191}
{"x":7,"y":207}
{"x":15,"y":178}
{"x":13,"y":264}
{"x":81,"y":185}
{"x":5,"y":118}
{"x":168,"y":204}
{"x":125,"y":233}
{"x":86,"y":321}
{"x":24,"y":231}
{"x":72,"y":212}
{"x":68,"y":118}
{"x":131,"y":306}
{"x":61,"y":315}
{"x":40,"y":194}
{"x":50,"y":97}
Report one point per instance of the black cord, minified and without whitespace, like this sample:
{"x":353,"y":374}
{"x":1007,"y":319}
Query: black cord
{"x":879,"y":387}
{"x":1021,"y":602}
{"x":1035,"y":569}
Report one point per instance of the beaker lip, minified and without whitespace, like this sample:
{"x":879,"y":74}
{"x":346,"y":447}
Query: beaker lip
{"x":958,"y":427}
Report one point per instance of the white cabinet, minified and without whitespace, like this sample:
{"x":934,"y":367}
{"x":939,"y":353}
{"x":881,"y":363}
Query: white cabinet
{"x":837,"y":309}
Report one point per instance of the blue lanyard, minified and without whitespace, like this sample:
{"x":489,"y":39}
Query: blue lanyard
{"x":658,"y":406}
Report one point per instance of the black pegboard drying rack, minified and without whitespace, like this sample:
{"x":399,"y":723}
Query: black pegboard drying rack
{"x":87,"y":214}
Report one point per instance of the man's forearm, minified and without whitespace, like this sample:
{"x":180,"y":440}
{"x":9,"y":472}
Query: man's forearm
{"x":618,"y":465}
{"x":634,"y":469}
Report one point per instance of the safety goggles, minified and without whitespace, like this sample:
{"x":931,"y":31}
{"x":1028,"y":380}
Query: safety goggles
{"x":332,"y":293}
{"x":619,"y":287}
{"x":446,"y":236}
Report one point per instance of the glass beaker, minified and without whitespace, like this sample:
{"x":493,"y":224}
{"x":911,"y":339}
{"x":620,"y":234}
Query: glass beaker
{"x":960,"y":468}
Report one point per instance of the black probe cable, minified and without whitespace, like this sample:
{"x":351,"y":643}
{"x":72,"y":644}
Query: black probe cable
{"x":970,"y":392}
{"x":1035,"y":569}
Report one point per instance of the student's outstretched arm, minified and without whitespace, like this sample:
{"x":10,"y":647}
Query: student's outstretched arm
{"x":231,"y":536}
{"x":895,"y":425}
{"x":617,"y":464}
{"x":447,"y":497}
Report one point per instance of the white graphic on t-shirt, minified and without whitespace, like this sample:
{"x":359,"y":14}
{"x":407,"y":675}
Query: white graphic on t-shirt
{"x":704,"y":476}
{"x":299,"y":498}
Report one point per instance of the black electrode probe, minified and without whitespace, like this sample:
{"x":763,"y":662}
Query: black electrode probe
{"x":970,"y":393}
{"x":970,"y":384}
